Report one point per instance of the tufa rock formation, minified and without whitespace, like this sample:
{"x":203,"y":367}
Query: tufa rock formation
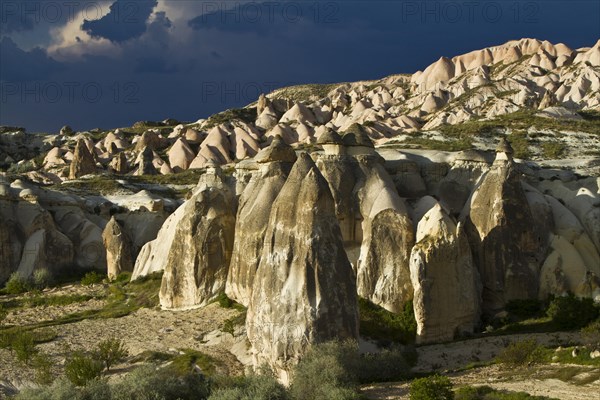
{"x":83,"y":162}
{"x":252,"y":219}
{"x":118,"y":249}
{"x":304,"y":289}
{"x":445,"y":280}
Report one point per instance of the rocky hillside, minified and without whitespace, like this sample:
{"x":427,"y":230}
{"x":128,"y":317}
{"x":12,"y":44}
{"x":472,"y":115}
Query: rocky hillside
{"x":316,"y":195}
{"x":546,"y":97}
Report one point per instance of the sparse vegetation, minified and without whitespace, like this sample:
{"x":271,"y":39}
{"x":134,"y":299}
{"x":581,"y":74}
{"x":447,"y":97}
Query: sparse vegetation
{"x":458,"y":144}
{"x":252,"y":387}
{"x":92,"y":278}
{"x":110,"y":352}
{"x":81,"y":368}
{"x":488,"y":393}
{"x":17,"y":284}
{"x":526,"y":352}
{"x":591,"y":335}
{"x":553,"y":149}
{"x":434,"y":387}
{"x":247,"y":115}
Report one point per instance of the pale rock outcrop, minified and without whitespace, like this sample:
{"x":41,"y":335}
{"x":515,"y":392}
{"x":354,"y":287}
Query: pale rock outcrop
{"x":198,"y":259}
{"x":216,"y":148}
{"x":83,"y":162}
{"x":500,"y":227}
{"x":304,"y":290}
{"x":180,"y":155}
{"x":445,"y":279}
{"x":119,"y":164}
{"x":146,"y":163}
{"x":118,"y":249}
{"x":252,"y":219}
{"x":383,"y":271}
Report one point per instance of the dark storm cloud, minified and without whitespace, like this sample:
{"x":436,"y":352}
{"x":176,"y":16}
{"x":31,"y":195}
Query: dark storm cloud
{"x":14,"y":19}
{"x":19,"y":65}
{"x":126,"y":20}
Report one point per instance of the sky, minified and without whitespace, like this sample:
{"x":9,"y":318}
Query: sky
{"x":109,"y":63}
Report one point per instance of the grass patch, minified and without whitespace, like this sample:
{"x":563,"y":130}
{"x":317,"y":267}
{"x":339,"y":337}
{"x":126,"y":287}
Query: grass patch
{"x":186,"y":362}
{"x":488,"y":393}
{"x":247,"y":115}
{"x":462,"y":143}
{"x":385,"y":327}
{"x":553,"y":149}
{"x":305,"y":93}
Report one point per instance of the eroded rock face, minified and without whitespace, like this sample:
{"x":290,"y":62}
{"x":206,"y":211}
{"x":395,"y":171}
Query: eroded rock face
{"x":118,"y":249}
{"x":445,"y":279}
{"x":502,"y":233}
{"x":304,"y":290}
{"x":83,"y":162}
{"x":383,"y":267}
{"x":198,"y":259}
{"x":253,"y":216}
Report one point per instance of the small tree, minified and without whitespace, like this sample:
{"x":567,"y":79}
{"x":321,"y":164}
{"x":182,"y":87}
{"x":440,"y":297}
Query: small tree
{"x":569,"y":312}
{"x":80,"y":368}
{"x":434,"y":387}
{"x":23,"y":345}
{"x":110,"y":352}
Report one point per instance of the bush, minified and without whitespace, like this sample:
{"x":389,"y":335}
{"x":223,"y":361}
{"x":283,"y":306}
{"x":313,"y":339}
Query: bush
{"x":23,"y":345}
{"x":525,"y":308}
{"x":17,"y":284}
{"x":379,"y":324}
{"x":253,"y":387}
{"x":569,"y":312}
{"x":591,"y":335}
{"x":327,"y":371}
{"x":81,"y":368}
{"x":434,"y":387}
{"x":91,"y":278}
{"x":110,"y":352}
{"x":42,"y":364}
{"x":148,"y":382}
{"x":488,"y":393}
{"x":521,"y":353}
{"x":42,"y":278}
{"x":389,"y":365}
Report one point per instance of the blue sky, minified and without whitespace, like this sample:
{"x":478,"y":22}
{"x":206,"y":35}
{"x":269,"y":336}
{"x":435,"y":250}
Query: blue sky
{"x":109,"y":63}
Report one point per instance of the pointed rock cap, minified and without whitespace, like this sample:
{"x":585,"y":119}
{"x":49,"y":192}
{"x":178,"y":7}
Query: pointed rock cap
{"x":504,"y":147}
{"x":278,"y":150}
{"x":330,"y":137}
{"x":356,"y":136}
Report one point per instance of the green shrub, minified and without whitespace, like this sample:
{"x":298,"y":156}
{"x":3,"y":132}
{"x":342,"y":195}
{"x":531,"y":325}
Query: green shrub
{"x":327,"y":371}
{"x":388,"y":365}
{"x":42,"y":278}
{"x":110,"y":352}
{"x":553,"y":150}
{"x":59,"y":390}
{"x":252,"y":387}
{"x":148,"y":382}
{"x":91,"y":278}
{"x":488,"y":393}
{"x":17,"y":284}
{"x":591,"y":335}
{"x":42,"y":365}
{"x":434,"y":387}
{"x":187,"y":362}
{"x":81,"y":368}
{"x":569,"y":312}
{"x":23,"y":345}
{"x":379,"y":324}
{"x":525,"y":308}
{"x":521,"y":353}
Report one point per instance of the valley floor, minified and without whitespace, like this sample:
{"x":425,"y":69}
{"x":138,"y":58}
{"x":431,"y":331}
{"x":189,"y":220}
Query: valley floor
{"x":150,"y":330}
